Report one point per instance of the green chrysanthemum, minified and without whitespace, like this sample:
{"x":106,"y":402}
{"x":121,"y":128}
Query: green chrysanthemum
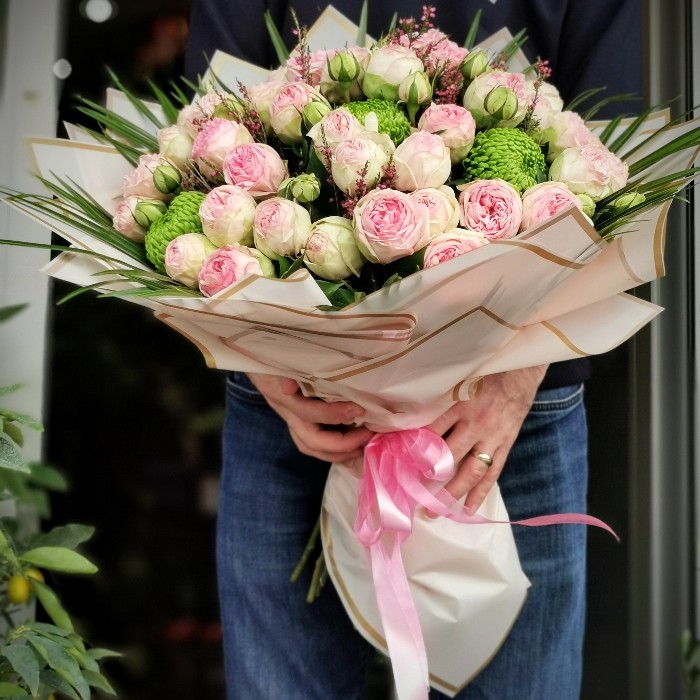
{"x":182,"y":217}
{"x":391,"y":117}
{"x":508,"y":154}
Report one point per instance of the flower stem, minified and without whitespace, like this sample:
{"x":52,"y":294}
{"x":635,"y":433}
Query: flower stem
{"x":308,"y":551}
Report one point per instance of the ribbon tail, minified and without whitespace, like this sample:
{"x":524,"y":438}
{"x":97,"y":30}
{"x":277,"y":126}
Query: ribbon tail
{"x":400,"y":621}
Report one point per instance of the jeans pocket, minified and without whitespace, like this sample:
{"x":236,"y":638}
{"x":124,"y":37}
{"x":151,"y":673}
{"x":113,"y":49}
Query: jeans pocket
{"x":558,"y":400}
{"x":240,"y":388}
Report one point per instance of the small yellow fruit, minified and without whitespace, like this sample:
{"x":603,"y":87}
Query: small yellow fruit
{"x":18,"y":589}
{"x":31,"y":572}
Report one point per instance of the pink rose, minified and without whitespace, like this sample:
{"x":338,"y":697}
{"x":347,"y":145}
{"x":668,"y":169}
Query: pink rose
{"x":317,"y":61}
{"x":124,"y":221}
{"x":592,"y":170}
{"x":441,"y":52}
{"x":454,"y":125}
{"x":214,"y":142}
{"x":357,"y":161}
{"x":287,"y":108}
{"x":184,"y":257}
{"x":227,"y":215}
{"x":337,"y":126}
{"x":563,"y":130}
{"x":229,"y":265}
{"x":281,"y":227}
{"x":256,"y":167}
{"x":190,"y":118}
{"x":262,"y":94}
{"x":543,"y":201}
{"x":442,"y":206}
{"x":477,"y":95}
{"x":390,"y":225}
{"x":547,"y":100}
{"x":491,"y":207}
{"x":139,"y":182}
{"x":421,"y":160}
{"x":452,"y":244}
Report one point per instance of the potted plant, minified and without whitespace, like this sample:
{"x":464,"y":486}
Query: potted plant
{"x":38,"y":659}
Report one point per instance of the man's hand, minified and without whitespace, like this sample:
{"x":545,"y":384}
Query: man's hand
{"x":489,"y":423}
{"x":308,"y":420}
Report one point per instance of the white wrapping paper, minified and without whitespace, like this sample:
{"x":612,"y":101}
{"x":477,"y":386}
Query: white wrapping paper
{"x":466,"y":581}
{"x":405,"y":353}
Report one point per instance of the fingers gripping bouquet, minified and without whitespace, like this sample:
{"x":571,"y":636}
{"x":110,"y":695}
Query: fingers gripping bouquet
{"x":385,"y":222}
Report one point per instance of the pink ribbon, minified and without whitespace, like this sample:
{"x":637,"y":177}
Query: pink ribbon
{"x":398,"y":469}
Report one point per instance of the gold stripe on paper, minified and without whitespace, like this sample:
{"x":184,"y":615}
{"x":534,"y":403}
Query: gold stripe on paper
{"x":208,"y":357}
{"x":563,"y":338}
{"x":416,"y":344}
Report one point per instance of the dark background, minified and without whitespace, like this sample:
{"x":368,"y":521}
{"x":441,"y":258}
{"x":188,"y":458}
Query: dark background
{"x":134,"y":418}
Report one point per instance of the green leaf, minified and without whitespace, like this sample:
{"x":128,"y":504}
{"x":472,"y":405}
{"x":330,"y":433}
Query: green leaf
{"x":98,"y":653}
{"x":7,"y":312}
{"x":13,"y":432}
{"x":22,"y":418}
{"x":52,"y":605}
{"x":59,"y":559}
{"x":25,"y":664}
{"x":10,"y":456}
{"x":470,"y":39}
{"x":61,"y":662}
{"x":97,"y":680}
{"x":51,"y":679}
{"x":362,"y":28}
{"x":6,"y":549}
{"x":276,"y":39}
{"x":48,"y":629}
{"x":69,"y":536}
{"x":47,"y":477}
{"x":9,"y":690}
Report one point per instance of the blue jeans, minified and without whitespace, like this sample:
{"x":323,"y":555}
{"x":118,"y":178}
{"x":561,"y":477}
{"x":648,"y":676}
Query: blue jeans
{"x":277,"y":646}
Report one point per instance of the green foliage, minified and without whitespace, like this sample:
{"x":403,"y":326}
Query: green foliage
{"x":39,"y":658}
{"x":690,"y":665}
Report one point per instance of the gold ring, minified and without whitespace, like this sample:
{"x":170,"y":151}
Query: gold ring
{"x":487,"y":459}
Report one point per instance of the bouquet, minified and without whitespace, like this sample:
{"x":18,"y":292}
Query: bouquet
{"x":385,"y":223}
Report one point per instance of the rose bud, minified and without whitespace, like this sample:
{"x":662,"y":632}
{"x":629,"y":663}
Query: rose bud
{"x":139,"y":182}
{"x":331,"y":249}
{"x":587,"y":204}
{"x":476,"y":63}
{"x":314,"y":112}
{"x":627,"y":200}
{"x":305,"y":188}
{"x":167,"y":178}
{"x":501,"y":103}
{"x":481,"y":89}
{"x":342,"y":75}
{"x":415,"y":90}
{"x":149,"y":210}
{"x":184,"y":257}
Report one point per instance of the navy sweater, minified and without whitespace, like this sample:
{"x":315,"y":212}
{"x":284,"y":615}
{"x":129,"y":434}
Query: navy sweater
{"x":589,"y":43}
